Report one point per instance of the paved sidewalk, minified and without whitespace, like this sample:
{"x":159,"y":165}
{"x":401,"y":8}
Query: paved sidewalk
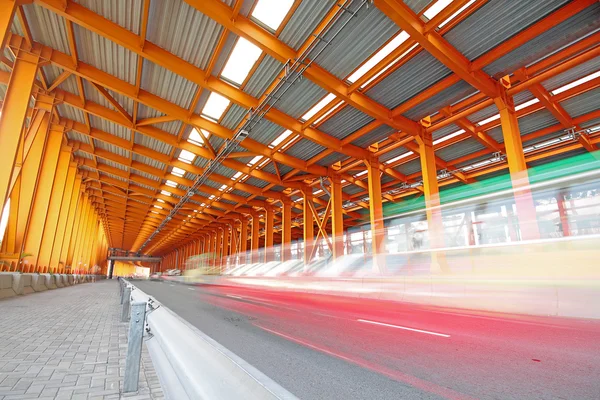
{"x":68,"y":344}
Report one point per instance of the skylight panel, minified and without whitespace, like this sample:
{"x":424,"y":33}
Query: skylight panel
{"x":526,"y":104}
{"x":361,"y":173}
{"x":165,"y":192}
{"x":400,"y":157}
{"x":237,"y":175}
{"x":490,"y":119}
{"x":254,"y":160}
{"x":240,"y":61}
{"x":389,"y":65}
{"x":160,"y":200}
{"x":458,"y":12}
{"x":272,"y":12}
{"x":436,"y":8}
{"x":196,"y":138}
{"x":576,"y":83}
{"x":318,"y":107}
{"x":280,"y":138}
{"x":159,"y":207}
{"x":171,"y":183}
{"x":322,"y":117}
{"x":178,"y":172}
{"x":223,"y":187}
{"x":380,"y":55}
{"x":186,"y":156}
{"x":448,"y":137}
{"x":215,"y":106}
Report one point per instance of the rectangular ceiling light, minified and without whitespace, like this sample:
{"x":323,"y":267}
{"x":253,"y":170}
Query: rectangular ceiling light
{"x":241,"y":60}
{"x":215,"y":106}
{"x":272,"y":12}
{"x":436,"y":8}
{"x":178,"y":172}
{"x":400,"y":157}
{"x":171,"y":183}
{"x":448,"y":137}
{"x":576,"y":83}
{"x":458,"y":12}
{"x":380,"y":55}
{"x":280,"y":138}
{"x":318,"y":107}
{"x":186,"y":156}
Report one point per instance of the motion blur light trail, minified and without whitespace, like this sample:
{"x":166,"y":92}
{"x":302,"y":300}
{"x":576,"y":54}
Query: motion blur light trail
{"x":485,"y":355}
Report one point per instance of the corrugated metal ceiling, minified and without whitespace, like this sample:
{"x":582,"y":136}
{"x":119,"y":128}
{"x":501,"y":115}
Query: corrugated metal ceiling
{"x":495,"y":22}
{"x":345,"y":122}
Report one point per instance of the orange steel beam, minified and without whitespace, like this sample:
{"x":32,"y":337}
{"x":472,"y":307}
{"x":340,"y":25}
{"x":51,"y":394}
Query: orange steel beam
{"x":247,"y":29}
{"x":14,"y":111}
{"x":437,"y":46}
{"x":100,"y":25}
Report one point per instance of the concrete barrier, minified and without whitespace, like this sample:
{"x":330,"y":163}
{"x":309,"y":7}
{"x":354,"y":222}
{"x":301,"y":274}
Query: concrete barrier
{"x":176,"y":348}
{"x":50,"y":281}
{"x":71,"y":279}
{"x":22,"y":283}
{"x":6,"y":285}
{"x":58,"y":280}
{"x":38,"y":282}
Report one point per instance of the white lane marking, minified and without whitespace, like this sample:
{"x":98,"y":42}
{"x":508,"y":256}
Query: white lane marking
{"x":191,"y":288}
{"x":235,"y":297}
{"x":402,"y":327}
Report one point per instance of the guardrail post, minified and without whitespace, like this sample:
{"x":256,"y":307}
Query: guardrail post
{"x":134,"y":347}
{"x":121,"y":288}
{"x":126,"y":304}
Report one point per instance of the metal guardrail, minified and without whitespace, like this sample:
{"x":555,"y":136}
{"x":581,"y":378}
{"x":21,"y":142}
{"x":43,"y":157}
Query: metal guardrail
{"x":190,"y":364}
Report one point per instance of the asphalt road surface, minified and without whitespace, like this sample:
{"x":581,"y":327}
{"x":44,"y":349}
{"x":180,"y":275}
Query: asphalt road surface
{"x":327,"y":347}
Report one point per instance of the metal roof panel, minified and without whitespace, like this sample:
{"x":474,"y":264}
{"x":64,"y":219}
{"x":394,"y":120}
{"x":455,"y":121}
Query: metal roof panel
{"x":168,"y":85}
{"x":110,"y":127}
{"x":582,"y":104}
{"x":495,"y":22}
{"x":345,"y":122}
{"x":126,"y":13}
{"x":46,"y":27}
{"x":419,"y":73}
{"x":182,"y":30}
{"x":105,"y":55}
{"x":152,"y":143}
{"x":374,"y":136}
{"x":263,"y":76}
{"x":558,"y":37}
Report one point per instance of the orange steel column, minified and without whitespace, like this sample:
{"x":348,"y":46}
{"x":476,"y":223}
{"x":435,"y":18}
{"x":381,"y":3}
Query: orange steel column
{"x":61,"y":193}
{"x":43,"y":192}
{"x":243,"y":239}
{"x":226,"y":242}
{"x":219,"y":247}
{"x":26,"y":184}
{"x":337,"y":217}
{"x":517,"y":167}
{"x":8,"y":8}
{"x":234,"y":240}
{"x":376,"y":216}
{"x":255,"y":237}
{"x":286,"y":230}
{"x":269,"y":224}
{"x":65,"y":228}
{"x":76,"y":234}
{"x":14,"y":108}
{"x":308,"y":223}
{"x":432,"y":200}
